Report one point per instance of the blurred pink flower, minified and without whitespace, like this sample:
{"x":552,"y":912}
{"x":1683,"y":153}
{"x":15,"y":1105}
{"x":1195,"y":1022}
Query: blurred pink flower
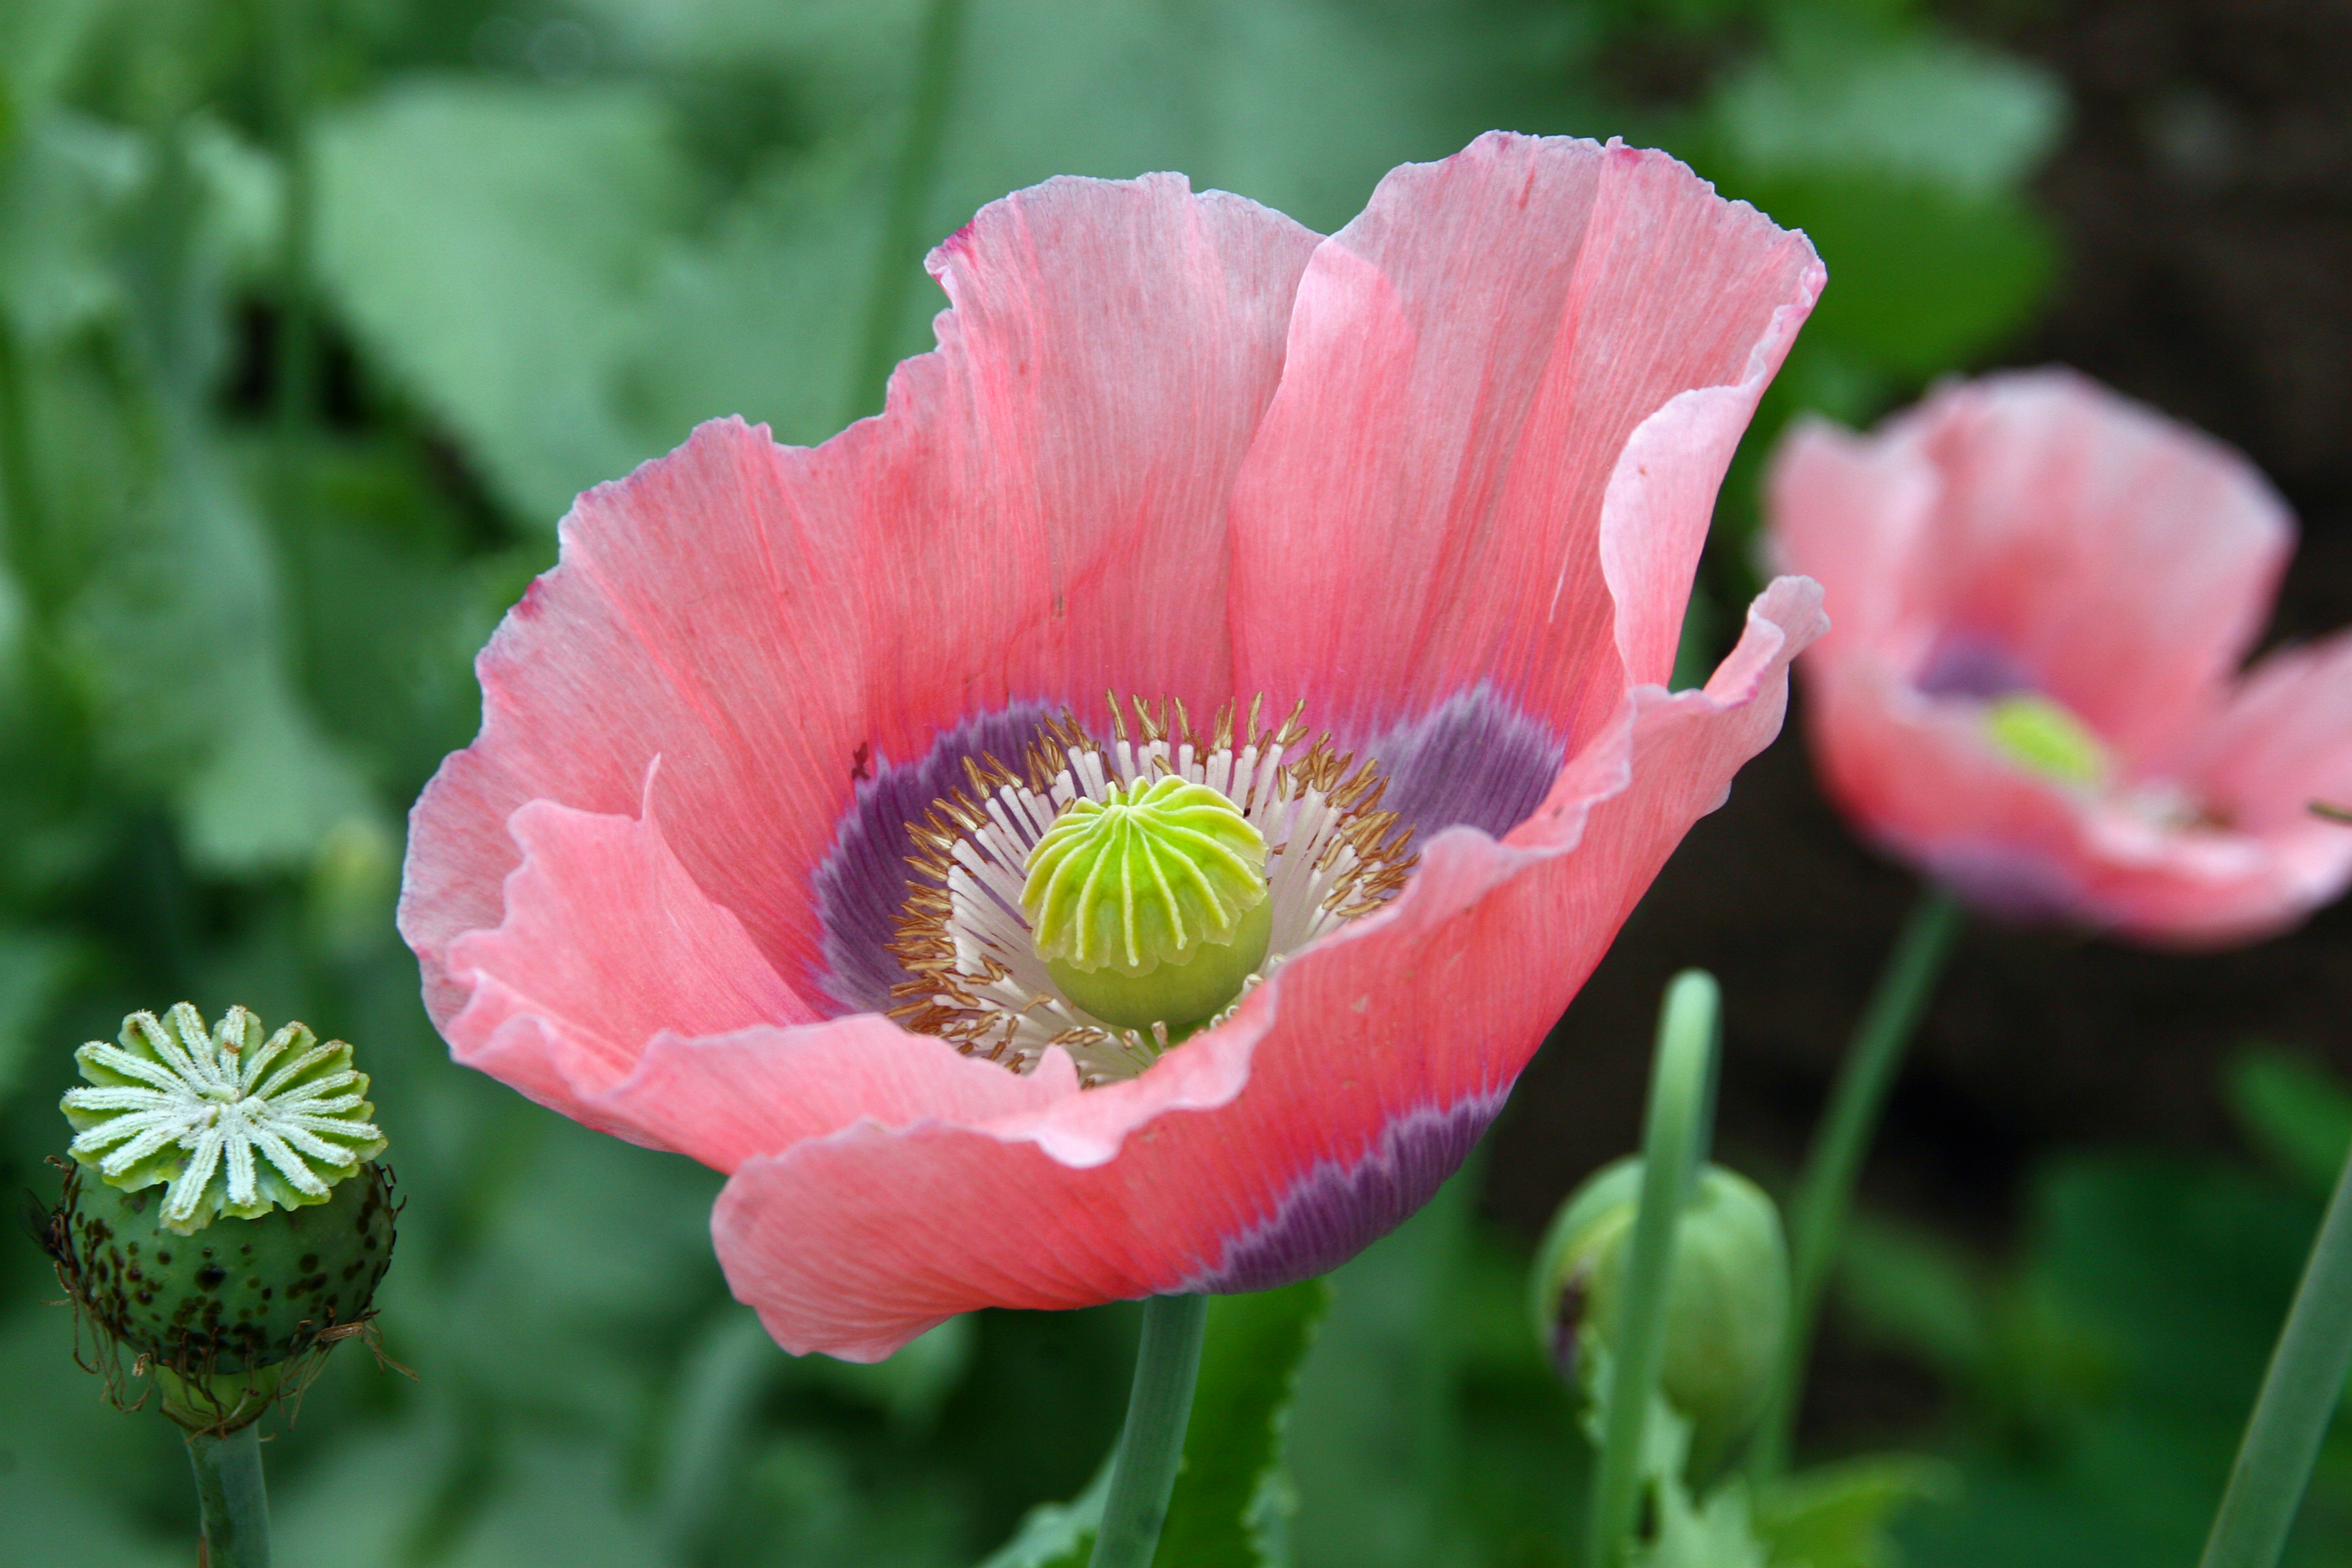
{"x":2042,"y":595}
{"x":1442,"y":477}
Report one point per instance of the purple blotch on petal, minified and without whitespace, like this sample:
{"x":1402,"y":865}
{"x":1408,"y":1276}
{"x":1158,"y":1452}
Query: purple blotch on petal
{"x":1332,"y":1212}
{"x":1971,"y":664}
{"x":1474,"y":760}
{"x":861,"y":885}
{"x":2004,"y":881}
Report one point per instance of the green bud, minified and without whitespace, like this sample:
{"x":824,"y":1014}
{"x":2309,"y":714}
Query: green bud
{"x":1149,"y":907}
{"x":1726,"y":1310}
{"x":239,"y":1225}
{"x":2040,"y":735}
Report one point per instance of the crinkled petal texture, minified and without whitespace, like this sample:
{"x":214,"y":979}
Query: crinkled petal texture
{"x":2035,"y":532}
{"x":1443,"y":476}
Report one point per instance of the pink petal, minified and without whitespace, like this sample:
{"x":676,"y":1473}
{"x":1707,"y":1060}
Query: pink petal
{"x":1275,"y":1145}
{"x":606,"y":941}
{"x":2125,"y":561}
{"x":2284,"y":743}
{"x":1505,"y":347}
{"x":1041,"y":512}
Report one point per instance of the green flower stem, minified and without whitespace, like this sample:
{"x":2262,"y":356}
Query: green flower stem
{"x":1825,"y":1189}
{"x":229,"y":1493}
{"x":2299,"y":1394}
{"x":1167,"y":1365}
{"x":1673,"y":1147}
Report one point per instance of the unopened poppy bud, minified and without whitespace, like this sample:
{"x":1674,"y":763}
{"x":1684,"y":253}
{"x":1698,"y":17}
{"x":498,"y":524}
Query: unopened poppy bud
{"x":225,"y":1221}
{"x":1725,"y":1311}
{"x":1149,"y":907}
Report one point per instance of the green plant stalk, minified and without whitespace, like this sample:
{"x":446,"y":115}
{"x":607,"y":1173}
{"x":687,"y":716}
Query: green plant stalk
{"x":1167,"y":1366}
{"x":1825,"y":1188}
{"x":230,"y":1497}
{"x":918,"y":166}
{"x":2299,"y":1395}
{"x":1673,"y":1146}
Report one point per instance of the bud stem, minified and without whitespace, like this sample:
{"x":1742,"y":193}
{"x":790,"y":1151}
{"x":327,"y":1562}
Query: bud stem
{"x":1674,"y":1138}
{"x":230,"y":1497}
{"x":1825,"y":1189}
{"x":1167,"y":1365}
{"x":2299,"y":1395}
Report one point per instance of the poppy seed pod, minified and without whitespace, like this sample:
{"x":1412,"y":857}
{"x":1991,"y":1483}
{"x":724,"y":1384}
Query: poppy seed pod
{"x":1726,"y":1310}
{"x":238,"y":1225}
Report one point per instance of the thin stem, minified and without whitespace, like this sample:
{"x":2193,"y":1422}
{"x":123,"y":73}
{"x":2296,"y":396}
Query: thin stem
{"x":919,"y":165}
{"x":1673,"y":1147}
{"x":1825,"y":1189}
{"x":2299,"y":1394}
{"x":1167,"y":1363}
{"x":230,"y":1497}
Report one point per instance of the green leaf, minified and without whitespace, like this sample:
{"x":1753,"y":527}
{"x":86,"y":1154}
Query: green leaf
{"x":34,"y":967}
{"x":1375,"y":1430}
{"x":491,"y":245}
{"x":1836,"y":1516}
{"x":2297,"y":1114}
{"x":1233,"y":1501}
{"x":181,"y":640}
{"x":1914,"y":1289}
{"x":1914,"y":111}
{"x":1057,"y":1534}
{"x":1715,"y":1534}
{"x":909,"y":1386}
{"x":64,"y":183}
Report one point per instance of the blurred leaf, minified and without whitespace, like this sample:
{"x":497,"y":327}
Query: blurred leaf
{"x":2297,"y":1114}
{"x":1921,"y":278}
{"x":1715,"y":1534}
{"x":1375,"y":1430}
{"x":1057,"y":1535}
{"x":65,"y":181}
{"x":557,"y":1503}
{"x":1914,"y":1289}
{"x":1914,"y":111}
{"x":34,"y":966}
{"x":909,"y":1386}
{"x":1902,"y":154}
{"x":55,"y":1517}
{"x":1835,"y":1516}
{"x":766,"y":315}
{"x":366,"y":1503}
{"x":1233,"y":1501}
{"x":180,"y":640}
{"x":491,"y":244}
{"x":2177,"y":1274}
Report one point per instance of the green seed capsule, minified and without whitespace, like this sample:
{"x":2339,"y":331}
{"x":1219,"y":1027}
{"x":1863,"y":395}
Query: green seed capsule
{"x":224,"y":1221}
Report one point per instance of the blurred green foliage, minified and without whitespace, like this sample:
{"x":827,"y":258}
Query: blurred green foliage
{"x":314,"y":314}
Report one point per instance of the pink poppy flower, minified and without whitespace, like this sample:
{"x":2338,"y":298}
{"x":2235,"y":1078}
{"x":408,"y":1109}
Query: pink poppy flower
{"x":2044,"y":593}
{"x":1437,"y":483}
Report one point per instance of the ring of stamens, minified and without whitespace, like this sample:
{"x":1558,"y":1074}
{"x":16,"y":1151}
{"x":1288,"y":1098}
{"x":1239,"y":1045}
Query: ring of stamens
{"x":975,"y":978}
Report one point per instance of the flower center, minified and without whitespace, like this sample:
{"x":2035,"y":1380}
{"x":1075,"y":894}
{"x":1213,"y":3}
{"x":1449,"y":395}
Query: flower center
{"x":2044,"y":736}
{"x":1112,"y":900}
{"x":1149,"y":905}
